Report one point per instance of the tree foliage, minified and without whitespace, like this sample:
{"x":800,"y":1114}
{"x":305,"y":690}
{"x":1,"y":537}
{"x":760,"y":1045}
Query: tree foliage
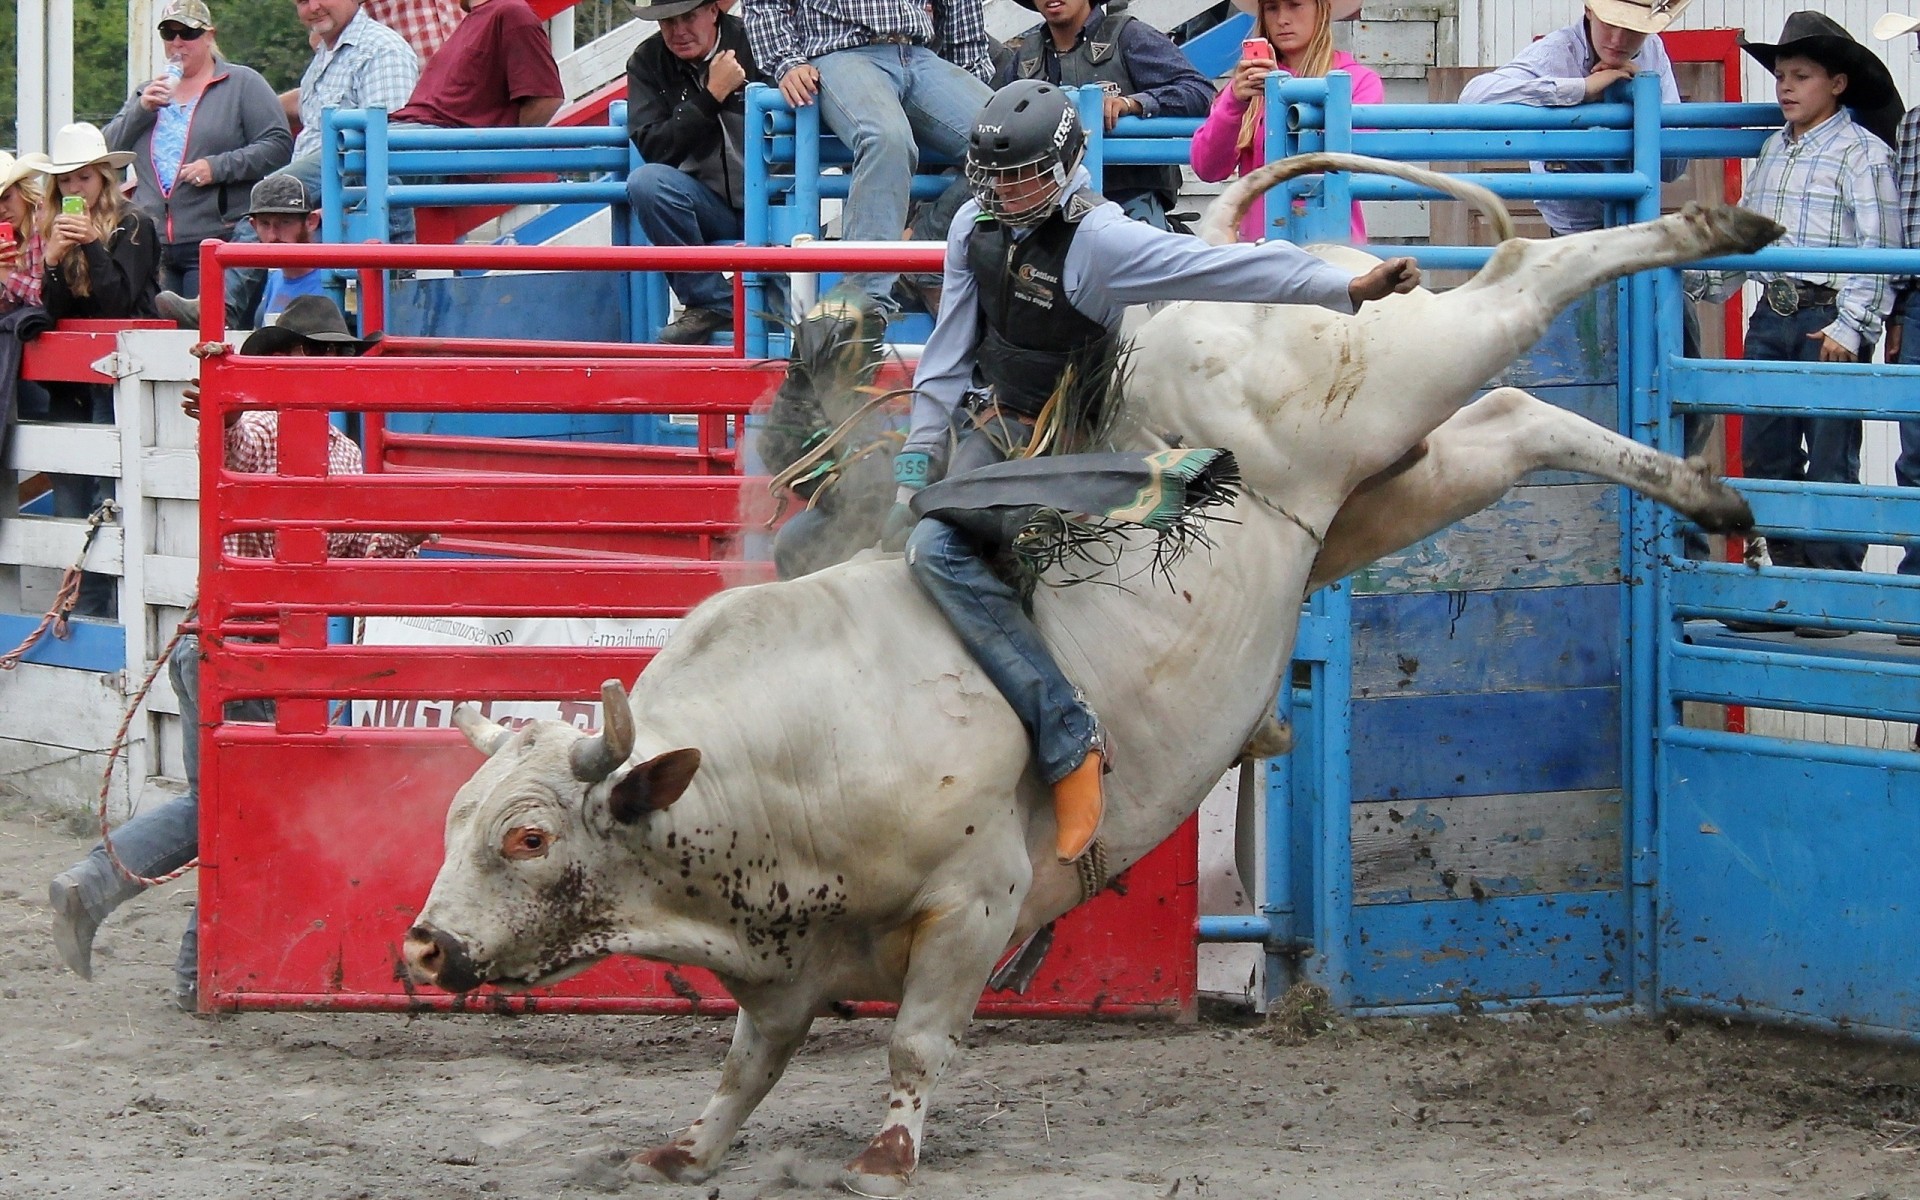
{"x":263,"y":34}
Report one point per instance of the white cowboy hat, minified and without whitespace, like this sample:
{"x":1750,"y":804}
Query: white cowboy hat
{"x":1641,"y":16}
{"x":80,"y":144}
{"x":13,"y":170}
{"x":1893,"y":25}
{"x":1343,"y":10}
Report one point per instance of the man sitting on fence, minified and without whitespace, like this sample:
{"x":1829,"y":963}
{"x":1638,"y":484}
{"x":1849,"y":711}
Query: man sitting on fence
{"x":1143,"y":73}
{"x":686,"y":114}
{"x":164,"y":838}
{"x":495,"y":72}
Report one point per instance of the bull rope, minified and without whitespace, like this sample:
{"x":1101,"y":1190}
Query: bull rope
{"x":58,"y":614}
{"x":188,"y":624}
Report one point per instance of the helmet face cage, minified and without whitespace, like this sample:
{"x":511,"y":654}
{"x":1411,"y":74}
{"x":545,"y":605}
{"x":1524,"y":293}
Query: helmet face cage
{"x":1022,"y":195}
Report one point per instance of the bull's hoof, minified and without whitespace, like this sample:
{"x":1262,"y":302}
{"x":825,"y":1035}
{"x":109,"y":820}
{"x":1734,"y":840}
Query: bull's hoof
{"x":671,"y":1163}
{"x":883,"y":1167}
{"x":1737,"y":229}
{"x":1723,"y":510}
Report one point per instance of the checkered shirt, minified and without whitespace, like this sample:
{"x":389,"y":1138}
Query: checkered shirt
{"x":786,"y":33}
{"x":23,"y":286}
{"x":253,"y":448}
{"x":1833,"y":186}
{"x":1908,"y":182}
{"x":425,"y":24}
{"x":370,"y":66}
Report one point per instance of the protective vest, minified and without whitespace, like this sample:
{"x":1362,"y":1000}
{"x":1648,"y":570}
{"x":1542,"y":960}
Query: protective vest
{"x":1097,"y":60}
{"x":1033,"y":332}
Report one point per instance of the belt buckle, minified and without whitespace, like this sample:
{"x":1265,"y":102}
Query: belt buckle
{"x":1782,"y":296}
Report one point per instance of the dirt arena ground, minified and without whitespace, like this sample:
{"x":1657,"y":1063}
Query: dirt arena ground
{"x":108,"y":1091}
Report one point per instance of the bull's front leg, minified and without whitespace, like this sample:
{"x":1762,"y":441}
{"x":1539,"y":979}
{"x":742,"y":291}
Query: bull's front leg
{"x":765,"y":1036}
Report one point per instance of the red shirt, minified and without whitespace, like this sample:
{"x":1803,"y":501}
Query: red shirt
{"x":496,"y":58}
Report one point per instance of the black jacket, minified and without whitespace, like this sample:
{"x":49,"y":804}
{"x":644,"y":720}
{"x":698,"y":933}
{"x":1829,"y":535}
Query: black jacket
{"x":674,"y":121}
{"x":123,"y":275}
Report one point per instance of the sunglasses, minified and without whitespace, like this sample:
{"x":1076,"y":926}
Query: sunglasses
{"x":179,"y":33}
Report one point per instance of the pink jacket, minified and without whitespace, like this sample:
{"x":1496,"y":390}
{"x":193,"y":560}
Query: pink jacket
{"x":1214,"y":157}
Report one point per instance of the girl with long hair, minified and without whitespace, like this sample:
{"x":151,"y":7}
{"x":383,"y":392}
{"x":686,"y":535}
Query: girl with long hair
{"x":22,"y":252}
{"x":1233,"y":139}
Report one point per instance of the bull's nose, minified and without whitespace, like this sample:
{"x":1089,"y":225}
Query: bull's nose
{"x":437,"y":957}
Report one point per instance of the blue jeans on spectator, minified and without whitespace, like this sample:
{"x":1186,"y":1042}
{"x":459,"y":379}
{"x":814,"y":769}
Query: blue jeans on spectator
{"x":675,"y":209}
{"x":985,"y":611}
{"x":886,"y":102}
{"x":165,"y":837}
{"x":1801,"y":449}
{"x":1906,"y":468}
{"x":180,"y":268}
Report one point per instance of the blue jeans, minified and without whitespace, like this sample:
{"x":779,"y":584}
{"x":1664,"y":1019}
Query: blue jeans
{"x":167,"y":836}
{"x":180,"y":268}
{"x":1801,"y":449}
{"x":986,"y":613}
{"x":886,"y":102}
{"x":675,"y":209}
{"x":1906,"y":469}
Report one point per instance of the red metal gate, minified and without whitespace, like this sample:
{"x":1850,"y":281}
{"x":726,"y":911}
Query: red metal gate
{"x":319,"y":841}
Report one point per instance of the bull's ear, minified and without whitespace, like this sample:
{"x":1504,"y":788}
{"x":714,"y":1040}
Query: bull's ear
{"x":652,"y":786}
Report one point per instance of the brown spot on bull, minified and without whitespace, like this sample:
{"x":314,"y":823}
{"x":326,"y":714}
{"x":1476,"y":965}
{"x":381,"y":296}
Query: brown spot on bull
{"x":946,"y":781}
{"x":671,"y":1160}
{"x":891,"y":1153}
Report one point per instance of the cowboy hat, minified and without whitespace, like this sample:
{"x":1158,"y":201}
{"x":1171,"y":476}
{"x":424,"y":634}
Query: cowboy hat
{"x":306,"y":319}
{"x":671,"y":8}
{"x":80,"y":144}
{"x":1870,"y":92}
{"x":1893,"y":25}
{"x":1641,"y":16}
{"x":1343,"y":10}
{"x":15,"y":170}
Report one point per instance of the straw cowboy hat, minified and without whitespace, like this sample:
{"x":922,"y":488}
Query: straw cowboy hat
{"x":1343,"y":10}
{"x":306,"y":319}
{"x":1641,"y":16}
{"x":80,"y":144}
{"x":15,"y":170}
{"x":1871,"y":92}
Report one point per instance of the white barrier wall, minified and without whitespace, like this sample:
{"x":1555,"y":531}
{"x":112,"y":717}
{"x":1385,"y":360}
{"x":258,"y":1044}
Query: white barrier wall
{"x":60,"y":721}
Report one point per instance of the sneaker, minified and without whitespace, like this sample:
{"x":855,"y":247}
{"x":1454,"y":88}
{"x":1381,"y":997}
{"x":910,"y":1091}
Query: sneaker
{"x":1820,"y":631}
{"x":695,"y":327}
{"x":177,"y":308}
{"x":73,"y":926}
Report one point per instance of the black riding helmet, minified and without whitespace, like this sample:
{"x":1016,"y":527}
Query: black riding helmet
{"x":1025,"y":145}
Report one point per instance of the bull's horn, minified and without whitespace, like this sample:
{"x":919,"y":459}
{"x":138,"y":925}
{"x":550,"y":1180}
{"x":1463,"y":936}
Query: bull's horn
{"x":595,"y":758}
{"x":1221,"y":226}
{"x":484,"y":735}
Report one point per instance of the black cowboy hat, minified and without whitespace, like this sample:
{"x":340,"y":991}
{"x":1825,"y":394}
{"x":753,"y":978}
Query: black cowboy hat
{"x":1871,"y":92}
{"x":306,"y":319}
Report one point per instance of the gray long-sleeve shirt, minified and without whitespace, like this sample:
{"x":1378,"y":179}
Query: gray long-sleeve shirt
{"x":1113,"y":262}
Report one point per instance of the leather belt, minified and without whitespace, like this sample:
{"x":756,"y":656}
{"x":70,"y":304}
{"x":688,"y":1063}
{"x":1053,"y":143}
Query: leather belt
{"x":1788,"y":296}
{"x":892,"y":39}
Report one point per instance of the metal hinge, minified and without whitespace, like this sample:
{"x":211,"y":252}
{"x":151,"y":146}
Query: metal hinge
{"x":117,"y":365}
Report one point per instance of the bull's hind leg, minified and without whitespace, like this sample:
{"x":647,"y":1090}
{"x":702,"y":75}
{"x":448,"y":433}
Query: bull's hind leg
{"x":765,"y":1035}
{"x":947,"y":967}
{"x":1486,"y":448}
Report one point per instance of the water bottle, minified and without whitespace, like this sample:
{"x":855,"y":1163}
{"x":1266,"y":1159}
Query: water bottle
{"x":173,"y":73}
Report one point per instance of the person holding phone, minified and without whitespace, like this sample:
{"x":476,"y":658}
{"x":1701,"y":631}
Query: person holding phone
{"x":22,"y":250}
{"x":1295,"y":37}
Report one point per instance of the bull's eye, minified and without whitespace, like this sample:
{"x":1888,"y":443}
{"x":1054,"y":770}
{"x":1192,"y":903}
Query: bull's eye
{"x":525,"y":842}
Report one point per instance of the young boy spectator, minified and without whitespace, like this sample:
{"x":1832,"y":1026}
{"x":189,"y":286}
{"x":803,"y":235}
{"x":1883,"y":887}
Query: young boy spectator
{"x":1828,"y":178}
{"x":1143,"y":73}
{"x":687,"y":114}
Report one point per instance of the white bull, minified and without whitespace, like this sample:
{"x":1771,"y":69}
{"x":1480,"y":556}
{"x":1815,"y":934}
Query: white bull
{"x":815,"y":794}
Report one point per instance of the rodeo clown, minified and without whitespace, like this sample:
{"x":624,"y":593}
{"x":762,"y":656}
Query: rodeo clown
{"x":1039,"y":271}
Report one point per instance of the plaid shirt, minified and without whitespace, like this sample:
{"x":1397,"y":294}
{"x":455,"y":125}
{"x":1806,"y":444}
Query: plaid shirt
{"x":253,"y":447}
{"x":784,"y":34}
{"x":23,"y":286}
{"x":1909,"y":185}
{"x":1833,"y":186}
{"x":370,"y":66}
{"x":425,"y":24}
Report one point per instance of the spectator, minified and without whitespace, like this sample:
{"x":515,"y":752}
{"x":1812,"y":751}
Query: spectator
{"x":1614,"y":40}
{"x":200,"y":141}
{"x":357,"y":63}
{"x":1234,"y":136}
{"x":284,"y":213}
{"x":891,"y":78}
{"x":102,"y":262}
{"x":22,"y":257}
{"x":495,"y":72}
{"x":424,"y":24}
{"x":687,"y":114}
{"x":1144,"y":75}
{"x":1903,"y":329}
{"x":166,"y":837}
{"x":1828,"y":178}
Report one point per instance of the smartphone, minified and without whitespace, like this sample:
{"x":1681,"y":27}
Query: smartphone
{"x":1256,"y":47}
{"x":6,"y":232}
{"x":74,"y":205}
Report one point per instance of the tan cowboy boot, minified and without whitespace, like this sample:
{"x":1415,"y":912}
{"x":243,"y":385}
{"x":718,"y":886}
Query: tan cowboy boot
{"x":1079,"y":801}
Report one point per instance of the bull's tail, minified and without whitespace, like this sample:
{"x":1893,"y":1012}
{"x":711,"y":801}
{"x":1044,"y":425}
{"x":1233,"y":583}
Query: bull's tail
{"x":1221,"y":225}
